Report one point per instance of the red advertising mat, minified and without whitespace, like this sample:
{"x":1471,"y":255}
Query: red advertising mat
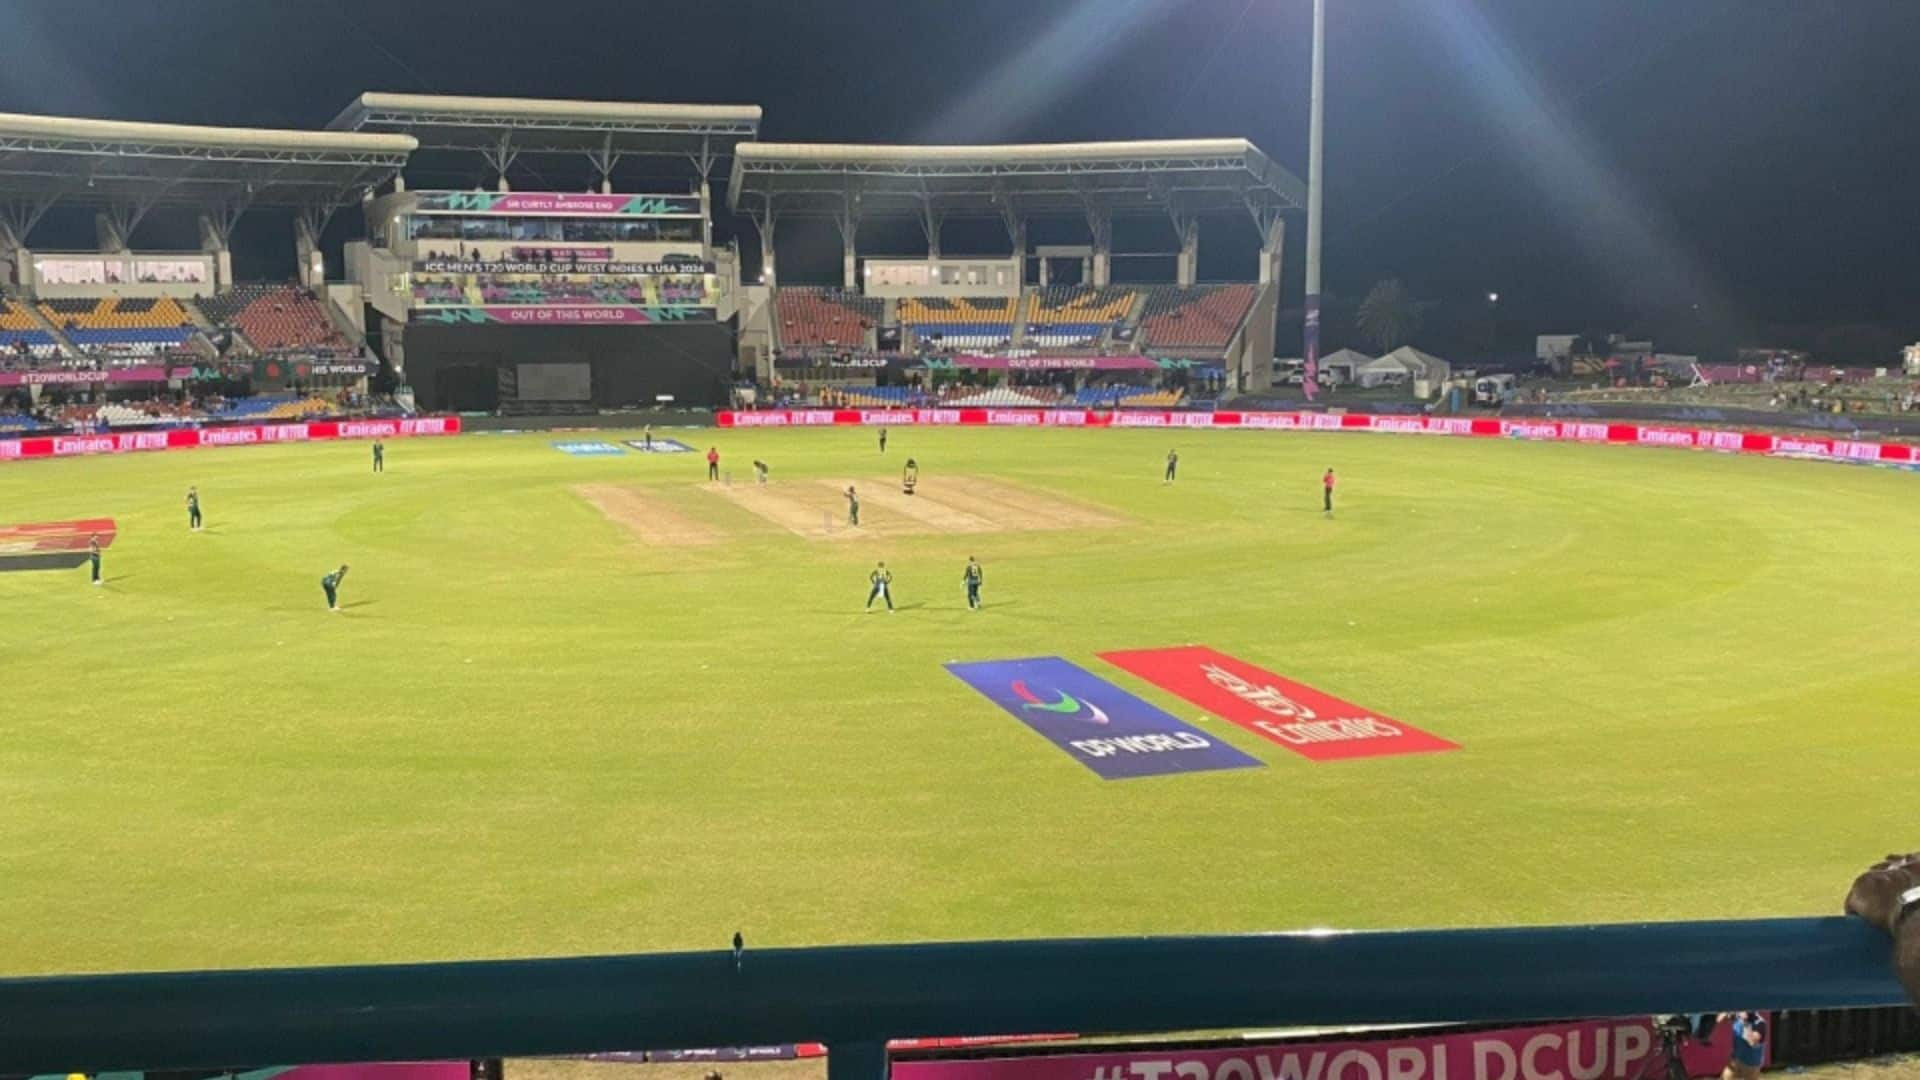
{"x":51,"y":545}
{"x":1313,"y":724}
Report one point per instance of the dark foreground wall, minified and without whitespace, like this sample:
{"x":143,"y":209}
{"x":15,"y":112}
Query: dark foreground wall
{"x":458,"y":368}
{"x":626,"y":420}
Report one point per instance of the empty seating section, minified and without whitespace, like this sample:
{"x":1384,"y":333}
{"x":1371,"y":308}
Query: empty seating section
{"x":140,"y":326}
{"x":18,"y":329}
{"x":1140,"y":397}
{"x":1067,"y":316}
{"x":276,"y":408}
{"x":1004,"y":397}
{"x":826,"y":318}
{"x":276,"y":318}
{"x":1200,"y":317}
{"x":971,"y":322}
{"x":877,"y":397}
{"x":1152,"y":399}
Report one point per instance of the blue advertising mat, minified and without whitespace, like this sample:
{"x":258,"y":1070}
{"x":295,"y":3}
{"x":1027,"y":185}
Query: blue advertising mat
{"x":1110,"y":731}
{"x":660,"y":446}
{"x":588,"y":449}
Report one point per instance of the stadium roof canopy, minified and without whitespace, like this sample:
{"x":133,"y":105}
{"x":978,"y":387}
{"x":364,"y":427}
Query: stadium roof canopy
{"x":1183,"y":176}
{"x":46,"y":159}
{"x":502,"y":128}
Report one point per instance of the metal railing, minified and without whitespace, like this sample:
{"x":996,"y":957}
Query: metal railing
{"x":855,"y":998}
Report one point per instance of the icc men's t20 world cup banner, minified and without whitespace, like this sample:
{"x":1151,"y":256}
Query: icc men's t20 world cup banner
{"x":556,"y":203}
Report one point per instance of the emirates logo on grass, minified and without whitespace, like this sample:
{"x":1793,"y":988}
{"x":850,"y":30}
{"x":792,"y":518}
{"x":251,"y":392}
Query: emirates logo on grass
{"x":1306,"y":721}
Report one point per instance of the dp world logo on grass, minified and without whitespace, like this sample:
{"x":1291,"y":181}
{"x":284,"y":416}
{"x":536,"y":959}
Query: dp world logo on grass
{"x":1103,"y":727}
{"x":588,"y":449}
{"x":1066,"y":703}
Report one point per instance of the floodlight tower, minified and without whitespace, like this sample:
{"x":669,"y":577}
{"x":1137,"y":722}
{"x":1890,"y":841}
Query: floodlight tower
{"x":1317,"y":103}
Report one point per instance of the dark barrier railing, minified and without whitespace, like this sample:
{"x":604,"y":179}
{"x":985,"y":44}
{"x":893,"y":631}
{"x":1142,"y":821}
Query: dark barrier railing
{"x":854,"y":998}
{"x":1819,"y":1036}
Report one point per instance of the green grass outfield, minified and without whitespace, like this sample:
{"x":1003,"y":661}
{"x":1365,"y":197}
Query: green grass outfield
{"x":1684,"y":685}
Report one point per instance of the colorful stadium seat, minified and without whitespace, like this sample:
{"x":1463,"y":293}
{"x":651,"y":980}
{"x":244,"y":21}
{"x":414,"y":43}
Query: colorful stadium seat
{"x":1075,"y":316}
{"x":276,"y":318}
{"x":1201,"y":317}
{"x":137,"y":326}
{"x":18,"y":326}
{"x":825,"y":318}
{"x":972,"y":322}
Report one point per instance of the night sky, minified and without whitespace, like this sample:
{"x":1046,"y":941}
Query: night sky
{"x":1715,"y":172}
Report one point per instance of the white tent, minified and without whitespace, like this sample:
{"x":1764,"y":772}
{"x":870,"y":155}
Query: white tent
{"x":1414,"y":363}
{"x":1344,"y":366}
{"x":1382,"y":372}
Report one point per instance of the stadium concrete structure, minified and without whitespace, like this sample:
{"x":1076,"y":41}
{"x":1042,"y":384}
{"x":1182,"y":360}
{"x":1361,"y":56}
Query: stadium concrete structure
{"x":599,"y":284}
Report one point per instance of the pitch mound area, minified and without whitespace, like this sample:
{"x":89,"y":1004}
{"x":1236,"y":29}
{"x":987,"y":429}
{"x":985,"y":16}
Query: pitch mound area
{"x":959,"y":505}
{"x":650,"y":521}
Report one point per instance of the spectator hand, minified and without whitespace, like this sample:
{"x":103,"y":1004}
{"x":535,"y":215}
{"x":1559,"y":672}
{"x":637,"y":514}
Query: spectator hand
{"x":1875,"y":895}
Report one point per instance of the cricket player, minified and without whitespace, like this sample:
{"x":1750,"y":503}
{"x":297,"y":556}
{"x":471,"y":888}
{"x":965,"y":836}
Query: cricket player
{"x":646,"y":438}
{"x":331,"y":584}
{"x":853,"y":506}
{"x":93,"y":556}
{"x":1326,"y":492}
{"x":909,"y":477}
{"x":883,"y":440}
{"x":379,"y":456}
{"x":974,"y":577}
{"x":760,"y":470}
{"x":882,"y":579}
{"x":1173,"y":465}
{"x":713,"y":463}
{"x":193,"y":509}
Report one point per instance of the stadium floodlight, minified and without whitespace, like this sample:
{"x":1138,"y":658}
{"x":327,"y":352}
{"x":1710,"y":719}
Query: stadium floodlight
{"x":1493,"y":298}
{"x":1316,"y":119}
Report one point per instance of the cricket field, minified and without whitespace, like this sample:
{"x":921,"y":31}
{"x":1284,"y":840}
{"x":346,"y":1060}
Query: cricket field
{"x":587,"y":704}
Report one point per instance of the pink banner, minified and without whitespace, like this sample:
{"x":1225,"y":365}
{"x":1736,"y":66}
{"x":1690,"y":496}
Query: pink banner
{"x":1588,"y":1050}
{"x":142,"y":373}
{"x":566,"y":316}
{"x":1057,"y":363}
{"x":1731,"y":442}
{"x":242,"y":435}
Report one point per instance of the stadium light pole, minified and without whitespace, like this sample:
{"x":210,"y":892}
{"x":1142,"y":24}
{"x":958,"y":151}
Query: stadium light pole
{"x":1315,"y":139}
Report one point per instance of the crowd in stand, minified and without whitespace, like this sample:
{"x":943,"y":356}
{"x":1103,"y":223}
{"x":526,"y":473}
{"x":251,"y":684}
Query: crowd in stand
{"x":88,"y":413}
{"x":652,"y":290}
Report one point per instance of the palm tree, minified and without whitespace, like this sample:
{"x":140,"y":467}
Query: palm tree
{"x":1389,"y":316}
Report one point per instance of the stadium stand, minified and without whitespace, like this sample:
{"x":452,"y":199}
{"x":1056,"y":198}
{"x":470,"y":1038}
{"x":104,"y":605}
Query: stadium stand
{"x":20,"y":330}
{"x":973,"y":322}
{"x":539,"y":290}
{"x":273,"y":407}
{"x":275,"y":317}
{"x":1007,"y":397}
{"x":1132,"y":397}
{"x":825,"y":318}
{"x":134,"y":326}
{"x":1074,"y":316}
{"x":1199,"y":317}
{"x":877,"y":397}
